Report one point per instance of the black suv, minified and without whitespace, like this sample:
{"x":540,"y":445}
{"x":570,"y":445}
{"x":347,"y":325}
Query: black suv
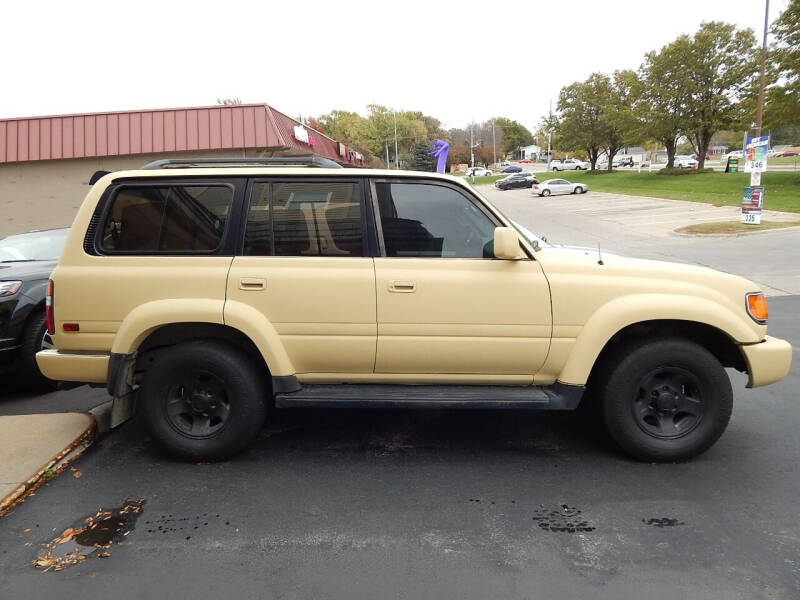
{"x":516,"y":180}
{"x":26,"y":261}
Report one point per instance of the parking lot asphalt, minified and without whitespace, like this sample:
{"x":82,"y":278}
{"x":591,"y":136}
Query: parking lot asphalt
{"x":642,"y":227}
{"x":372,"y":504}
{"x":420,"y":504}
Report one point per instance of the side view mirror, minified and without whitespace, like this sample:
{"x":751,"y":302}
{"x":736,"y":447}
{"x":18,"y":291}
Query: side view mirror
{"x":506,"y":243}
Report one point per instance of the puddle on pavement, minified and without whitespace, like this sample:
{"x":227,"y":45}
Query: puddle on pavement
{"x":92,"y":537}
{"x":563,"y":519}
{"x":662,"y":522}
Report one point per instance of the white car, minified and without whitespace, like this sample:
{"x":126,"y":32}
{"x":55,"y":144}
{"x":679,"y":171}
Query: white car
{"x":478,"y":172}
{"x":732,"y":154}
{"x":569,"y":164}
{"x":685,"y":162}
{"x":558,"y":186}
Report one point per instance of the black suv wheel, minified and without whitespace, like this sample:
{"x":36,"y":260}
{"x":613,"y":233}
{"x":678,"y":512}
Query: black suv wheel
{"x":204,"y":401}
{"x":35,"y":338}
{"x":666,"y":400}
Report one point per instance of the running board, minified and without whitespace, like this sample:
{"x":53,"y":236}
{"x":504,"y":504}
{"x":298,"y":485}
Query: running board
{"x":553,"y":397}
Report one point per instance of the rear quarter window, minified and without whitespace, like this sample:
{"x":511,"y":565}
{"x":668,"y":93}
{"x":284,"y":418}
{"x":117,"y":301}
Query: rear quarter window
{"x":168,"y":219}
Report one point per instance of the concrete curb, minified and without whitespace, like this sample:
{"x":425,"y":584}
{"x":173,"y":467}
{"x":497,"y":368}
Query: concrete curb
{"x":27,"y":463}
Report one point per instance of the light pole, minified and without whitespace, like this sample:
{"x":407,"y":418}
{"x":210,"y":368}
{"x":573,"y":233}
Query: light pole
{"x":760,"y":108}
{"x":396,"y":157}
{"x":494,"y":146}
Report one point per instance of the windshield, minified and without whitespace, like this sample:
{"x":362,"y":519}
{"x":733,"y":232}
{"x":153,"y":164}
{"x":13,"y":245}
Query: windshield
{"x":38,"y":245}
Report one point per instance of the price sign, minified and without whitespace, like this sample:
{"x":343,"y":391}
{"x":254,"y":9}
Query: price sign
{"x":752,"y":202}
{"x":756,"y":154}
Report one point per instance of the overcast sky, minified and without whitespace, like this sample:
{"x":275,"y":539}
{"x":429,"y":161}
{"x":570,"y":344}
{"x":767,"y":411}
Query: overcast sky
{"x":457,"y":61}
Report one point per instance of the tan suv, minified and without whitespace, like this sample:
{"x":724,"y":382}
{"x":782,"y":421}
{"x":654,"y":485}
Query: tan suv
{"x":206,"y":293}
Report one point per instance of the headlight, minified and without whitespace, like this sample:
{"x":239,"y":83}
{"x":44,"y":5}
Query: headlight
{"x":757,"y":307}
{"x":9,"y":288}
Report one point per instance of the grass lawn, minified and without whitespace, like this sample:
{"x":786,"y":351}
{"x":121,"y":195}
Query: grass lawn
{"x":784,"y":160}
{"x":735,"y":227}
{"x":781,"y":190}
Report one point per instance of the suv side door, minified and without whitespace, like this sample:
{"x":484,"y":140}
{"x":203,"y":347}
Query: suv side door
{"x":448,"y":310}
{"x":305,"y":265}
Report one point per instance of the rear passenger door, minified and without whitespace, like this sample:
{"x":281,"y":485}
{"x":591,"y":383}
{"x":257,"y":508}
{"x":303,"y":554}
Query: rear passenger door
{"x":305,"y":268}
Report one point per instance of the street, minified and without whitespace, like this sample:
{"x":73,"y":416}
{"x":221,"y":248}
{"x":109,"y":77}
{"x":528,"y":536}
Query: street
{"x":463,"y":504}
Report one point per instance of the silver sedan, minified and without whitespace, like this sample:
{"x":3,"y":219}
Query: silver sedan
{"x":558,"y":186}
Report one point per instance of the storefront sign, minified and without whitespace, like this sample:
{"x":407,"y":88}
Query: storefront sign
{"x":752,"y":201}
{"x":301,"y":135}
{"x":341,"y":148}
{"x":755,"y":154}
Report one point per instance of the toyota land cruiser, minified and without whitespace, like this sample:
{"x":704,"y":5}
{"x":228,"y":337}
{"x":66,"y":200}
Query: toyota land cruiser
{"x":205,"y":293}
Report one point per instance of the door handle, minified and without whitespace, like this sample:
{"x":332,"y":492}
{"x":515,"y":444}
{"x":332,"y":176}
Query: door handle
{"x":252,"y":283}
{"x":402,"y":286}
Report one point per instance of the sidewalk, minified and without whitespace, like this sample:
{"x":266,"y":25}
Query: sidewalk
{"x":33,"y":448}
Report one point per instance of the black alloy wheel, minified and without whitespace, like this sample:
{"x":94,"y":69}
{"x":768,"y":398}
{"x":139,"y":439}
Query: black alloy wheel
{"x":664,"y":399}
{"x":204,"y":400}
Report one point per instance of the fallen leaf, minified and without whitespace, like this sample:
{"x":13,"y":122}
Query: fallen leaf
{"x":77,"y":474}
{"x":103,"y":555}
{"x":26,"y":530}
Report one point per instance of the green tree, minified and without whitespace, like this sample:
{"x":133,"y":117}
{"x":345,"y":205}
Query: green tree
{"x":420,"y":161}
{"x":228,"y":101}
{"x":719,"y":68}
{"x":580,"y":107}
{"x":515,"y":135}
{"x":783,"y":96}
{"x":663,"y":96}
{"x":347,"y":127}
{"x":618,"y":124}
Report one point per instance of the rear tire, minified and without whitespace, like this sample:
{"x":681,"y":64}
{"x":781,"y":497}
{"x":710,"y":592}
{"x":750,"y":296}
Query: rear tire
{"x":204,"y":401}
{"x":28,"y":375}
{"x":545,"y":193}
{"x":665,"y":400}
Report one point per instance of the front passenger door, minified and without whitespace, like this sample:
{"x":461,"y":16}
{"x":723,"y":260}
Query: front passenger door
{"x":449,"y":311}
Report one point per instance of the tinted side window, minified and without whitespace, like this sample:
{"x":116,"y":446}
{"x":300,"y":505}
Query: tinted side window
{"x":166,"y":219}
{"x":304,"y":219}
{"x":432,"y":221}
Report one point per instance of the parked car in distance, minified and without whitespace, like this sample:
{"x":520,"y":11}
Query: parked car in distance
{"x":732,"y":154}
{"x":205,"y":294}
{"x":685,"y":162}
{"x":558,"y":186}
{"x":512,"y":169}
{"x":26,"y":261}
{"x":516,"y":180}
{"x":505,"y":163}
{"x":787,"y":153}
{"x":525,"y":160}
{"x":568,"y":164}
{"x":623,"y":161}
{"x":478,"y":172}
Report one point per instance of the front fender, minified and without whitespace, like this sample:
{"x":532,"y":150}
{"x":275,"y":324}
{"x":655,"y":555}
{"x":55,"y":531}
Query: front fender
{"x":621,"y":312}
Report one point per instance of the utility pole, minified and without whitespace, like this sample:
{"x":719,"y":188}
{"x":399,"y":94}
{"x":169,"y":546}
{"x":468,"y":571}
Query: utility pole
{"x":471,"y":148}
{"x":396,"y":157}
{"x":760,"y":108}
{"x":494,"y":146}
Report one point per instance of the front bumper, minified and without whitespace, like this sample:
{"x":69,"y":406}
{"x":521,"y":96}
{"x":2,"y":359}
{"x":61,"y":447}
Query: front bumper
{"x":768,"y":361}
{"x":64,"y":366}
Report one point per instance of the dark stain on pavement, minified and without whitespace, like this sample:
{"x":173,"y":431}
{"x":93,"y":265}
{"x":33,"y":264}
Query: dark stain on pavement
{"x":562,"y":519}
{"x":92,"y":536}
{"x":662,"y":522}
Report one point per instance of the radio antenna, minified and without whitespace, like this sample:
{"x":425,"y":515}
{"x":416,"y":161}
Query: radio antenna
{"x":599,"y":255}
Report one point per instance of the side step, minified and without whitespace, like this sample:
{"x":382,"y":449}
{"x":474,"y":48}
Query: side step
{"x":554,"y":397}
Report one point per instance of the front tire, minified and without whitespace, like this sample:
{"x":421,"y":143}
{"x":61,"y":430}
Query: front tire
{"x":35,"y":338}
{"x":204,"y":401}
{"x":578,"y":190}
{"x":666,"y":400}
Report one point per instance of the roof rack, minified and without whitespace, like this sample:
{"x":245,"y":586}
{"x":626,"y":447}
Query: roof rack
{"x":275,"y":161}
